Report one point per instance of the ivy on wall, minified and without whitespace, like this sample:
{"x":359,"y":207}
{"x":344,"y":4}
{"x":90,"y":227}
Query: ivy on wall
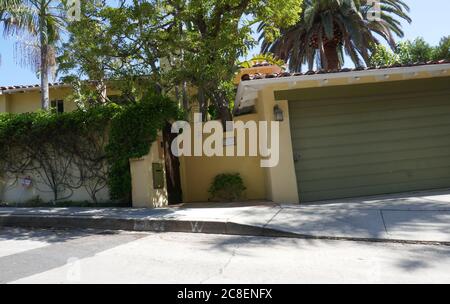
{"x":132,"y":131}
{"x":87,"y":148}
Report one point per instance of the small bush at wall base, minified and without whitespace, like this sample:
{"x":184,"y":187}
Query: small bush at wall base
{"x":227,"y":187}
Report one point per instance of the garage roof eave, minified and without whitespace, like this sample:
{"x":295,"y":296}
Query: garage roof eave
{"x":247,"y":89}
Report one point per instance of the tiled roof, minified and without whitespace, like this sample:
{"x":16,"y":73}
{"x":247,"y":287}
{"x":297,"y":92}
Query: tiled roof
{"x":247,"y":77}
{"x":18,"y":87}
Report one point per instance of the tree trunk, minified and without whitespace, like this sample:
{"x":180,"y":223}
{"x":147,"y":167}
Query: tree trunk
{"x":331,"y":60}
{"x":45,"y":95}
{"x":185,"y":97}
{"x":173,"y":176}
{"x":101,"y":89}
{"x":202,"y":104}
{"x":223,"y":108}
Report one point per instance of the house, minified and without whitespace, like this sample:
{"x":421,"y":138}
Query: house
{"x":349,"y":133}
{"x":26,"y":98}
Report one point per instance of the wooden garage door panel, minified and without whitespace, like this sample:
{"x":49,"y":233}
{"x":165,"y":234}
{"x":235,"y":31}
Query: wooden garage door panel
{"x":434,"y":183}
{"x":399,"y":123}
{"x":396,"y":176}
{"x":432,"y":142}
{"x":372,"y":169}
{"x":368,"y":145}
{"x":376,"y":137}
{"x":319,"y":108}
{"x":368,"y":116}
{"x":353,"y":158}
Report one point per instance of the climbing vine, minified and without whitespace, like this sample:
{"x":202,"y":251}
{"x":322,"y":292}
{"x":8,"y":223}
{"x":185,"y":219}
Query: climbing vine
{"x":132,"y":131}
{"x":87,"y":148}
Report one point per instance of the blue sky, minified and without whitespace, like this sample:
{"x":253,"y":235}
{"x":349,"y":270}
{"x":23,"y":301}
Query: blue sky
{"x":431,"y":20}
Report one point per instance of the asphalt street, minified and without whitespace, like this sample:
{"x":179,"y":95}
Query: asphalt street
{"x":84,"y":256}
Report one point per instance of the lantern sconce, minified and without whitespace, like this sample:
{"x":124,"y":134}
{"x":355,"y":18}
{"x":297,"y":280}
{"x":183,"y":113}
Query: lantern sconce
{"x":278,"y":113}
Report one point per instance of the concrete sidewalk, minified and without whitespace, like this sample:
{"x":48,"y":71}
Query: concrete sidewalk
{"x":415,"y":217}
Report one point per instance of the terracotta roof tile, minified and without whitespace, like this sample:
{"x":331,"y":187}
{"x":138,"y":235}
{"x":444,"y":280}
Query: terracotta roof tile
{"x":247,"y":77}
{"x":30,"y":86}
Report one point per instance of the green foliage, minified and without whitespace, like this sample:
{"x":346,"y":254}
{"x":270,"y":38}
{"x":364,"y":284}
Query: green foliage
{"x":132,"y":131}
{"x":408,"y":52}
{"x":328,"y":29}
{"x":414,"y":51}
{"x":269,"y":58}
{"x":171,"y":44}
{"x":62,"y":152}
{"x":227,"y":187}
{"x":381,"y":56}
{"x":442,"y":51}
{"x":86,"y":140}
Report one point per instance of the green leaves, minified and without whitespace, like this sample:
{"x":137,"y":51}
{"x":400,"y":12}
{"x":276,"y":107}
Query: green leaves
{"x":227,"y":187}
{"x":328,"y":28}
{"x":131,"y":130}
{"x":174,"y":44}
{"x":407,"y":52}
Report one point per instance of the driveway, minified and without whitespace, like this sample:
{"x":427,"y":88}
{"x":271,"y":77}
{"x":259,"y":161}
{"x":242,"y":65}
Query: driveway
{"x":422,"y":216}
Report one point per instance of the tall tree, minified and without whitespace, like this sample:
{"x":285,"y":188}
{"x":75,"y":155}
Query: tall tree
{"x":15,"y":18}
{"x":214,"y":34}
{"x":42,"y":20}
{"x":329,"y":28}
{"x":174,"y":43}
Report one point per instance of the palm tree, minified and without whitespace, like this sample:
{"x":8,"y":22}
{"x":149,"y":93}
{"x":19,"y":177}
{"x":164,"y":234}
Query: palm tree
{"x":328,"y":28}
{"x":14,"y":18}
{"x":40,"y":22}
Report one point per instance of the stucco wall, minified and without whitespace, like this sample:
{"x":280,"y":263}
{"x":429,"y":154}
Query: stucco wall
{"x":143,"y":193}
{"x":197,"y":173}
{"x":30,"y":101}
{"x":4,"y":103}
{"x":13,"y":191}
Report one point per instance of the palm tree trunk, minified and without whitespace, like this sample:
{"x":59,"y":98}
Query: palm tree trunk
{"x":331,"y":61}
{"x":45,"y":95}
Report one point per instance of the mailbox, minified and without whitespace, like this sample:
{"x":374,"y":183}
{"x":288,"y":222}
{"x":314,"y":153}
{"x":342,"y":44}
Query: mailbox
{"x":158,"y":176}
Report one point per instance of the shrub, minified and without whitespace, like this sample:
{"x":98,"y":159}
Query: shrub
{"x":227,"y":187}
{"x":87,"y":148}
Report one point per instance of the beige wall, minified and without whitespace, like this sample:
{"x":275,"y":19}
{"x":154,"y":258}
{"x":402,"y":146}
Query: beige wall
{"x":12,"y":191}
{"x":30,"y":101}
{"x":4,"y":103}
{"x":143,"y":193}
{"x":281,"y":181}
{"x":197,"y":173}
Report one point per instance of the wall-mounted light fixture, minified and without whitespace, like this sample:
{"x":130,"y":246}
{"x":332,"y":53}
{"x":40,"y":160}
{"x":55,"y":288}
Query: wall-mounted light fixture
{"x":278,"y":113}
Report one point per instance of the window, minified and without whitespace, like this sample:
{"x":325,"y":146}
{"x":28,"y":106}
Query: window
{"x":57,"y":106}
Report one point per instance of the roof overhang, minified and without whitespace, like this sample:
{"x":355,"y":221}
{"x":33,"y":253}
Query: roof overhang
{"x":248,"y":91}
{"x":23,"y":89}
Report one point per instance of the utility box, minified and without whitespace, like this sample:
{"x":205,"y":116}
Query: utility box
{"x":158,"y":176}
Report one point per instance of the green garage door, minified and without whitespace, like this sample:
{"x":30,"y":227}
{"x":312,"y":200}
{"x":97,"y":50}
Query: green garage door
{"x":371,"y":139}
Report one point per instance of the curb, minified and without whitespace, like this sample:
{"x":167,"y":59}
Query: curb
{"x":154,"y":225}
